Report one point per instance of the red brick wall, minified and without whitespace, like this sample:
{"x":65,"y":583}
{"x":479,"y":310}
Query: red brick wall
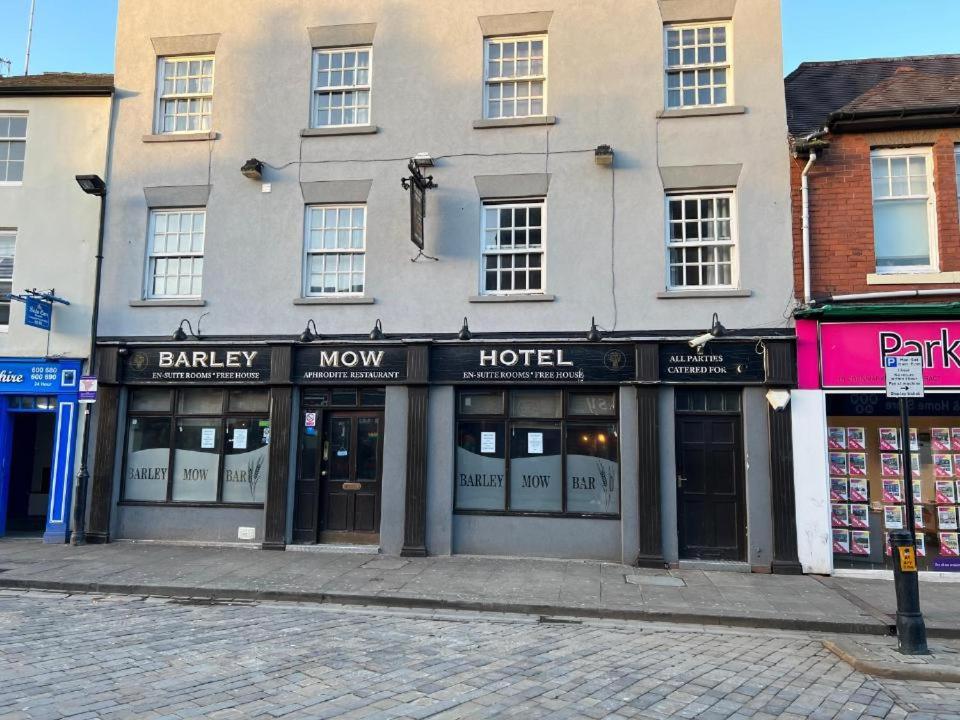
{"x":841,"y":211}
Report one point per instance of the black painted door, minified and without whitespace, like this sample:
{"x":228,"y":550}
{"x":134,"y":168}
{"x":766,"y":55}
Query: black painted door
{"x":710,"y":503}
{"x":351,"y":473}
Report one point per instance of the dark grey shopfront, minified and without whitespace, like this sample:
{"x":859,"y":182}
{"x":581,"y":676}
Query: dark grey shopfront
{"x":553,"y":447}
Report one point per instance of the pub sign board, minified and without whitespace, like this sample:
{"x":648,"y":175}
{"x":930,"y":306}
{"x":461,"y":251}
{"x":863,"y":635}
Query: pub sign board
{"x":715,"y":363}
{"x":350,"y":364}
{"x":541,"y":363}
{"x":180,"y":364}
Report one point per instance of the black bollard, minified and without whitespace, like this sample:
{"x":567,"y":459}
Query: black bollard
{"x":911,"y":631}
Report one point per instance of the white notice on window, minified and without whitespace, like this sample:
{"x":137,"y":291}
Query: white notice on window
{"x":240,"y":439}
{"x":535,"y":443}
{"x":488,"y":442}
{"x":208,"y":438}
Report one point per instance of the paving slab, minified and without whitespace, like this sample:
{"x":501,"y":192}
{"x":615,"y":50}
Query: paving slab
{"x":539,"y":587}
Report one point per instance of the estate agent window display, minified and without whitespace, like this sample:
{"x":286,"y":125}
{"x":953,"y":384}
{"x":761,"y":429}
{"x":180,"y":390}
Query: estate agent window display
{"x":538,"y":452}
{"x":197,"y":446}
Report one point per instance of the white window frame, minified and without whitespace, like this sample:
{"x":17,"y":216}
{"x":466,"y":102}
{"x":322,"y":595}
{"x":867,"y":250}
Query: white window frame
{"x":11,"y":138}
{"x":734,"y":243}
{"x":201,"y":96}
{"x":316,"y":91}
{"x":956,"y":164}
{"x":931,"y":197}
{"x":152,"y":257}
{"x":669,"y":69}
{"x":486,"y":251}
{"x":488,"y":82}
{"x":9,"y":232}
{"x":308,"y":253}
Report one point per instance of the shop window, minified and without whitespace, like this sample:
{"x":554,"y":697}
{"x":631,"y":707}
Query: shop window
{"x":518,"y":451}
{"x":373,"y":397}
{"x":344,"y":397}
{"x":868,"y":486}
{"x":214,"y":448}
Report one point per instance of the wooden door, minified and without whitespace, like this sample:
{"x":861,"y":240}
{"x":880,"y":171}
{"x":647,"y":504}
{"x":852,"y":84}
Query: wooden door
{"x":350,"y":477}
{"x":710,"y":480}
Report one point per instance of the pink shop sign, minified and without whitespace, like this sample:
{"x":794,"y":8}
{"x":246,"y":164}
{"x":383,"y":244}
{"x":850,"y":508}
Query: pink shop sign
{"x":851,"y":354}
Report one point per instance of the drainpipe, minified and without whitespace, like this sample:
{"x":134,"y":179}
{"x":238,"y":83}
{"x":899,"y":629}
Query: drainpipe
{"x":805,"y":195}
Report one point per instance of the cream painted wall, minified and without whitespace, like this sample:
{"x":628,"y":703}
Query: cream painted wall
{"x":56,"y":222}
{"x":605,"y":87}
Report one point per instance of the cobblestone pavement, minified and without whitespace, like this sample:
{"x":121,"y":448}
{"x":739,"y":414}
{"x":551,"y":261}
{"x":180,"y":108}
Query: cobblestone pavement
{"x":90,"y":656}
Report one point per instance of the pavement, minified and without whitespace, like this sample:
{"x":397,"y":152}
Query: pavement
{"x":537,"y":587}
{"x":110,"y":657}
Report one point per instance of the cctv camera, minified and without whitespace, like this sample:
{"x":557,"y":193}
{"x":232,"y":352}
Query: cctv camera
{"x":699,"y":341}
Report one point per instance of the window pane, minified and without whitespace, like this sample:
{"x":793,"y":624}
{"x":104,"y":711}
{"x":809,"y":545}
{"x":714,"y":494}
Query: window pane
{"x":536,"y":403}
{"x":246,"y":460}
{"x":150,"y":400}
{"x":148,"y":459}
{"x":901,"y":233}
{"x":481,"y":466}
{"x":196,"y":459}
{"x":200,"y":401}
{"x":536,"y":466}
{"x":592,"y":403}
{"x":481,"y":403}
{"x":249,"y":401}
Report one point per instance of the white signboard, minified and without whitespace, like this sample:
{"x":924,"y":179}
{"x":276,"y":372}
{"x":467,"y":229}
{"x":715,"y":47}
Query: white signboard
{"x":208,"y":438}
{"x":488,"y":442}
{"x":535,"y":443}
{"x":239,"y":439}
{"x":904,"y":377}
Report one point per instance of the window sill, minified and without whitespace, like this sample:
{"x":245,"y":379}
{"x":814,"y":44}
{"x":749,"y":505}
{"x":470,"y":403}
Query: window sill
{"x":920,"y":278}
{"x":11,"y":183}
{"x":514,"y":122}
{"x":171,"y":302}
{"x":180,"y":137}
{"x":351,"y":130}
{"x":680,"y":294}
{"x":346,"y":300}
{"x":703,"y":111}
{"x":511,"y":298}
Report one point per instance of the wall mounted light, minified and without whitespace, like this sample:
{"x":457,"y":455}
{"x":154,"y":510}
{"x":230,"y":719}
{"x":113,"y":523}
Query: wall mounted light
{"x":309,"y":335}
{"x":464,"y":333}
{"x":179,"y":335}
{"x":92,"y":185}
{"x":423,"y":160}
{"x":594,"y":333}
{"x":603,"y":155}
{"x":377,"y":332}
{"x":252,"y":169}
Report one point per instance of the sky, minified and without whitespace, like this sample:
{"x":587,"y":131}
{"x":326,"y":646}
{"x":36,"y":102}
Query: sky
{"x":77,"y":35}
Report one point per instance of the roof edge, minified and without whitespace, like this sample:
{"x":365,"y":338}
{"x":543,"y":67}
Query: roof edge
{"x":92,"y":90}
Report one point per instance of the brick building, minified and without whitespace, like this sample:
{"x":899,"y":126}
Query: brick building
{"x":874,"y":168}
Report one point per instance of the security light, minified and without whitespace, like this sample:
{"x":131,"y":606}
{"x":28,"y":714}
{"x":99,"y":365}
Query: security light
{"x":92,"y":185}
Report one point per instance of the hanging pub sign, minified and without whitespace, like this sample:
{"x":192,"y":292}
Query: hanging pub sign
{"x":544,"y":363}
{"x":418,"y":185}
{"x":715,"y":362}
{"x":177,"y":364}
{"x":350,"y":364}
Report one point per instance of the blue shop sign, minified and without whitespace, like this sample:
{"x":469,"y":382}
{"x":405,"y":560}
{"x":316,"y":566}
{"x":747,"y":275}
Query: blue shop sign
{"x":38,"y":376}
{"x":38,"y":313}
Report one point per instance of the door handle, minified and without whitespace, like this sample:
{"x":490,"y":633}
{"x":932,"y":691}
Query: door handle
{"x":680,"y":480}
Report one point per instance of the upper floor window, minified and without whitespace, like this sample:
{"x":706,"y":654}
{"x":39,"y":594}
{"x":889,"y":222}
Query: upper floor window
{"x":8,"y":243}
{"x":341,"y":87}
{"x":701,"y":242}
{"x":904,"y":212}
{"x":175,"y":253}
{"x":13,"y":145}
{"x":513,"y":247}
{"x":698,"y":65}
{"x":185,"y":94}
{"x":515,"y":80}
{"x":957,"y":166}
{"x":336,"y":241}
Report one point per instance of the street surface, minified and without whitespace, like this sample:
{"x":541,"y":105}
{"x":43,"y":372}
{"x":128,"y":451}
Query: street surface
{"x":108,"y":657}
